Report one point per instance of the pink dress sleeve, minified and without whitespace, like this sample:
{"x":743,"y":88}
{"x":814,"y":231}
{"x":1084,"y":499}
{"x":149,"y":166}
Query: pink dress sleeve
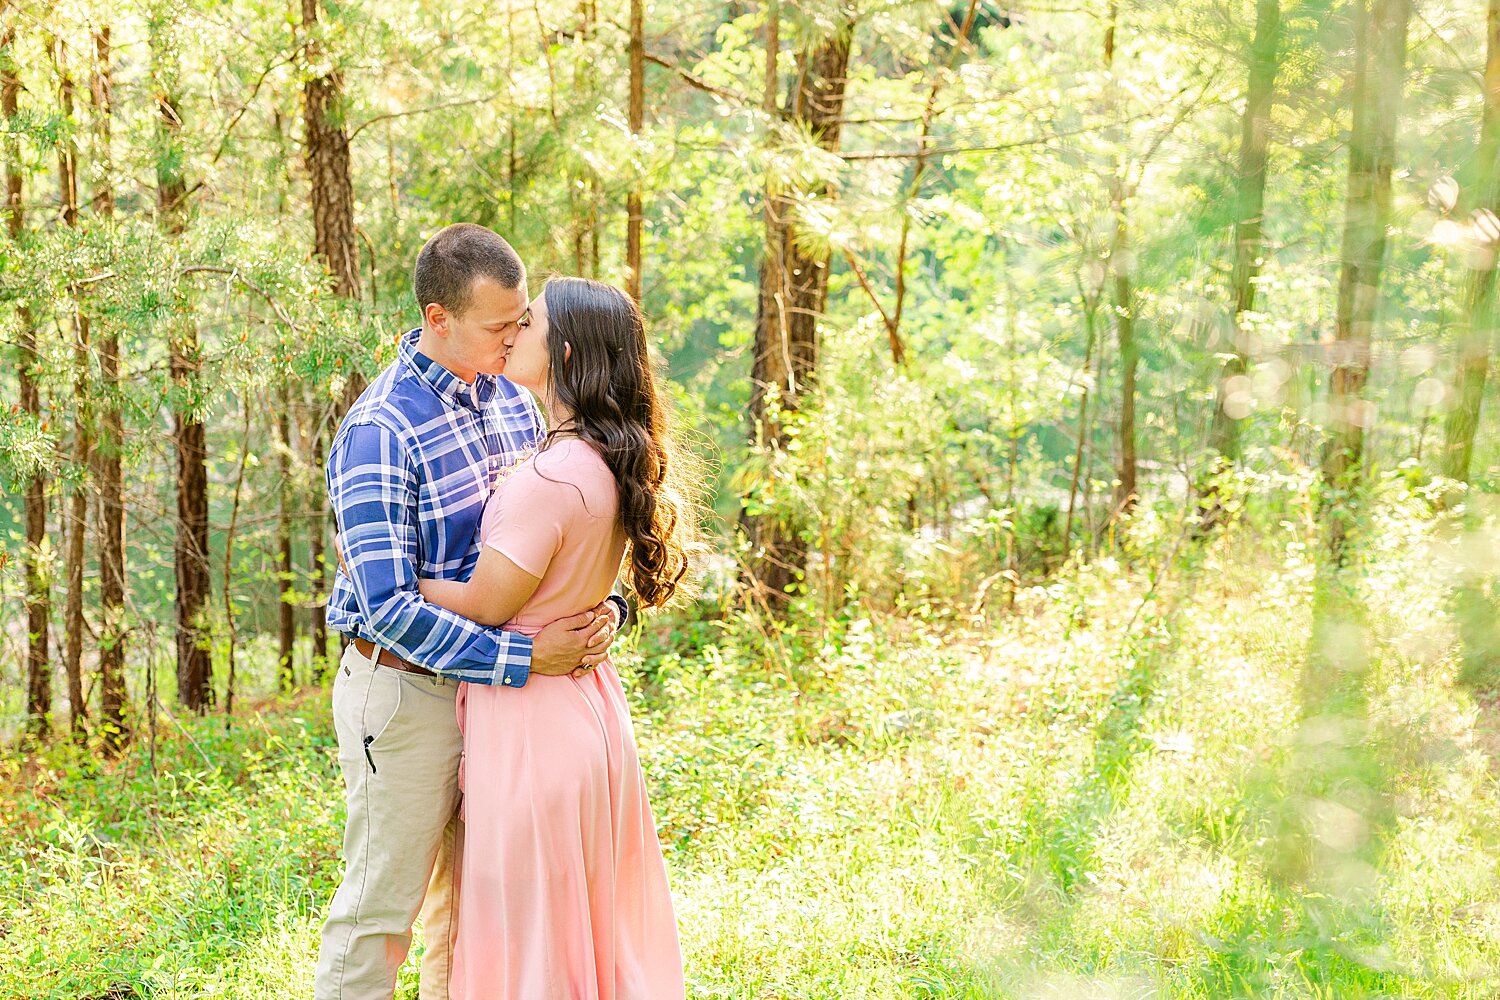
{"x":532,"y":513}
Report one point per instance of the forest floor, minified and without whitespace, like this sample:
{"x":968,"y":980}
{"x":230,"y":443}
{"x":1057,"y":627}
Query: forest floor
{"x":1089,"y":796}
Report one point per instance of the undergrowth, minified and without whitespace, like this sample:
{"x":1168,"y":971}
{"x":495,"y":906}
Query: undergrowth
{"x":1082,"y":795}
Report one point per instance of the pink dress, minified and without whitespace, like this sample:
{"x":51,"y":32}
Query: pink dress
{"x":562,"y":889}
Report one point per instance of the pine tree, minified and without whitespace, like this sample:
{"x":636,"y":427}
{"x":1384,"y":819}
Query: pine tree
{"x":1250,"y":198}
{"x":111,"y":440}
{"x":331,"y":199}
{"x":189,"y":436}
{"x":793,"y":294}
{"x":1479,"y":296}
{"x":78,"y":506}
{"x":1380,"y":51}
{"x":38,"y":598}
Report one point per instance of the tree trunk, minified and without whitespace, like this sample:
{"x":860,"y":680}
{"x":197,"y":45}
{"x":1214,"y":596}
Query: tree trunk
{"x":38,"y":599}
{"x":111,"y":440}
{"x":1380,"y":55}
{"x":194,"y":589}
{"x":1126,"y":493}
{"x":1479,"y":291}
{"x":1250,"y":199}
{"x":78,"y":505}
{"x":1120,"y":284}
{"x":1090,"y":312}
{"x":793,"y":293}
{"x":316,"y":556}
{"x":637,"y":123}
{"x":1331,"y":753}
{"x":326,"y":153}
{"x":286,"y":620}
{"x":194,"y":586}
{"x":334,"y":241}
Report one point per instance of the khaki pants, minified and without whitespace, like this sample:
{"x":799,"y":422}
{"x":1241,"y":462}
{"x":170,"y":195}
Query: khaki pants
{"x":399,"y":749}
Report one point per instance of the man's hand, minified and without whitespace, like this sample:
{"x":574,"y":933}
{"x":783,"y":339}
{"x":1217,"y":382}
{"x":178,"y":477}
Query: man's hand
{"x":573,"y":645}
{"x":578,"y":643}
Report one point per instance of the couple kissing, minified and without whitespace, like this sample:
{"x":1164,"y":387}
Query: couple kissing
{"x":489,"y":761}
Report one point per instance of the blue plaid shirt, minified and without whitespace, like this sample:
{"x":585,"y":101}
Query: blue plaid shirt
{"x":409,"y":473}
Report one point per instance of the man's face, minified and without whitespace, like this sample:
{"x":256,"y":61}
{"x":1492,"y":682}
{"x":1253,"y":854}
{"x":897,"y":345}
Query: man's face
{"x":476,"y":341}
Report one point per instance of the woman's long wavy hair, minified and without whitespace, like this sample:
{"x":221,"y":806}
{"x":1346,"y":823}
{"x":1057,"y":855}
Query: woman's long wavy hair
{"x":608,"y":384}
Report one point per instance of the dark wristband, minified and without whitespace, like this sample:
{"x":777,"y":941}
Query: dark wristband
{"x":622,"y":606}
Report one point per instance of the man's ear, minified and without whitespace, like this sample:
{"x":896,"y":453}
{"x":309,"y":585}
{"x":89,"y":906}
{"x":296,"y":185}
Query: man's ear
{"x":436,"y":318}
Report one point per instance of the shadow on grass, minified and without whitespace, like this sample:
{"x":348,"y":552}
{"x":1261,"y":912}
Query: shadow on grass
{"x":1071,"y":836}
{"x":1060,"y":846}
{"x":1315,"y":922}
{"x":1304,"y":836}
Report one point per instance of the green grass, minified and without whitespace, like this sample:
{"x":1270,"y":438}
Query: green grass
{"x":1045,"y":805}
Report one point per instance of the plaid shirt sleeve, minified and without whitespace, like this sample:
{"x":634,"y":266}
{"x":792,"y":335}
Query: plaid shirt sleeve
{"x":374,"y":493}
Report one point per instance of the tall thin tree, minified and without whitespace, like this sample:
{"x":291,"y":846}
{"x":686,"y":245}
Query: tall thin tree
{"x":1249,"y":207}
{"x":1332,"y":759}
{"x":38,"y":598}
{"x":1380,"y":53}
{"x":286,"y":630}
{"x":583,"y":179}
{"x":335,"y":242}
{"x":111,"y":442}
{"x":194,"y":589}
{"x":1479,"y":296}
{"x":1120,"y":281}
{"x":793,"y":294}
{"x":919,"y":169}
{"x":326,"y":153}
{"x":634,"y":200}
{"x":78,"y":504}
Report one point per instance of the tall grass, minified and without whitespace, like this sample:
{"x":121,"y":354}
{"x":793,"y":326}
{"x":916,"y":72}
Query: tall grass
{"x":1087,"y":796}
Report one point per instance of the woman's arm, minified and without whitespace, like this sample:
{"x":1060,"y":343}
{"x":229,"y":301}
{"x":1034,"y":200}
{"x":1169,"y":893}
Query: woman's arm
{"x":492,"y":596}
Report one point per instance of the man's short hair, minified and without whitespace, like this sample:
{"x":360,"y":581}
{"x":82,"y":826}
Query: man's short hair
{"x":451,"y":261}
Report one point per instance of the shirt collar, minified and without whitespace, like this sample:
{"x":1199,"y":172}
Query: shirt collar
{"x":449,"y":387}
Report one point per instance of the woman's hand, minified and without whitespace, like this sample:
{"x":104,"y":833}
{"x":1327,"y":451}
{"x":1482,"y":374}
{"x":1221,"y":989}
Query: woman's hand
{"x":607,"y":610}
{"x":574,"y":646}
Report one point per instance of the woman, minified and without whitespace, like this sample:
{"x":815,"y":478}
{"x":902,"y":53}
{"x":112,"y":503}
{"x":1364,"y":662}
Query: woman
{"x":563,"y":891}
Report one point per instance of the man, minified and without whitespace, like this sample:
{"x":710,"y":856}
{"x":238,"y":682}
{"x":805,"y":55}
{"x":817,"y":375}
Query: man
{"x":409,"y":473}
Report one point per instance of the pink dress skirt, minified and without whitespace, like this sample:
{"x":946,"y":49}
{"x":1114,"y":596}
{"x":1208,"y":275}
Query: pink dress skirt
{"x":562,"y":889}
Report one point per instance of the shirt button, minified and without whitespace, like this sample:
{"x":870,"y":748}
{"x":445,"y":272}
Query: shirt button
{"x":505,"y":680}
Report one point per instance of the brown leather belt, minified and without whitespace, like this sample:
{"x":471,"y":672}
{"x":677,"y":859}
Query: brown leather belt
{"x":387,"y":658}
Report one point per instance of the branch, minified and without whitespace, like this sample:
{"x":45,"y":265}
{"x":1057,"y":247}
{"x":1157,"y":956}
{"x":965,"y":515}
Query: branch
{"x":234,"y":273}
{"x":229,"y":130}
{"x":1181,"y":117}
{"x":928,"y":153}
{"x":697,"y":82}
{"x":93,"y":280}
{"x":422,"y":111}
{"x":898,"y":349}
{"x":913,"y":154}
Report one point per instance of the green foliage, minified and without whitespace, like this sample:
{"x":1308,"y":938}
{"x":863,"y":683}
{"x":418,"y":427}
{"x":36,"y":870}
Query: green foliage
{"x":181,"y":870}
{"x":939,"y":475}
{"x":1005,"y":743}
{"x":1083,"y":798}
{"x":26,"y":448}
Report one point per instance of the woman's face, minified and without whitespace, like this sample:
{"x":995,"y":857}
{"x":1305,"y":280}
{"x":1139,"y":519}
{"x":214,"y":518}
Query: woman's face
{"x":527,"y":362}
